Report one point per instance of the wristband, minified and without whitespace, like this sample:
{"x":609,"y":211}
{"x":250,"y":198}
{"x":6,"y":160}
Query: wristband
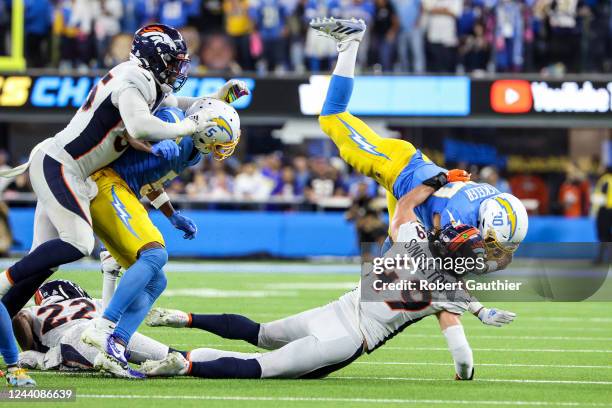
{"x":160,"y":200}
{"x":436,"y":182}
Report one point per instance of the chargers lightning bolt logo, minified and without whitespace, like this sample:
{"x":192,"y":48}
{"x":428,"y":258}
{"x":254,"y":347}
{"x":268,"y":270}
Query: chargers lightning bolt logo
{"x":122,"y":213}
{"x":362,"y":142}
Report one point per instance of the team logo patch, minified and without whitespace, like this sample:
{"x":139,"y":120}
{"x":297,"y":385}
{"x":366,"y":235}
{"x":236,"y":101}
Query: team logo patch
{"x":362,"y":142}
{"x":122,"y":213}
{"x":510,"y":213}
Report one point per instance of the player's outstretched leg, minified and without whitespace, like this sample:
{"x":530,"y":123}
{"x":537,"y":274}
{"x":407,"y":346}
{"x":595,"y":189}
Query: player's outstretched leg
{"x":140,"y":286}
{"x":228,"y":326}
{"x":359,"y":146}
{"x":16,"y":376}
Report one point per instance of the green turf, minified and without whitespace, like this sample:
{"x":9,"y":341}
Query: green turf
{"x":554,"y":354}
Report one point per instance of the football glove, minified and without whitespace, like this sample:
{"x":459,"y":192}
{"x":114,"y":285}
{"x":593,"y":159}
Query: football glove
{"x":202,"y":120}
{"x":232,"y":90}
{"x":495,"y":317}
{"x":184,"y":224}
{"x":168,"y":149}
{"x":458,"y":175}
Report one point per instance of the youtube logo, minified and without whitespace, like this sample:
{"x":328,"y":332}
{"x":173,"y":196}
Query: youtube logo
{"x":511,"y":96}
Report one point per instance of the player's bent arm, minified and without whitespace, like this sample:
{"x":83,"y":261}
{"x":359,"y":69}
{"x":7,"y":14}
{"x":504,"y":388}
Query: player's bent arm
{"x":460,"y":349}
{"x":491,"y":317}
{"x":22,"y":326}
{"x":231,"y":91}
{"x":404,"y":212}
{"x":140,"y":123}
{"x":160,"y":200}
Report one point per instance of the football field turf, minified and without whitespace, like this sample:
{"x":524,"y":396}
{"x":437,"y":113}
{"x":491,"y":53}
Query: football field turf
{"x":554,"y":354}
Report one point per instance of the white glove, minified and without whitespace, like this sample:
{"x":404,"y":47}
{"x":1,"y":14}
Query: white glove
{"x":202,"y":120}
{"x":495,"y":317}
{"x":109,"y":264}
{"x":231,"y":91}
{"x":33,"y":360}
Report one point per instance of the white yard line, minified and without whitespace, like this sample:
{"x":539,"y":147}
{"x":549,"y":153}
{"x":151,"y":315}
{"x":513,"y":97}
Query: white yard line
{"x":502,"y":380}
{"x":408,"y":363}
{"x":355,"y":400}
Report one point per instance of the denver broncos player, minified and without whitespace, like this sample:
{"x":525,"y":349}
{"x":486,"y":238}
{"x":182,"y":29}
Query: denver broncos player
{"x":416,"y":187}
{"x":61,"y":165}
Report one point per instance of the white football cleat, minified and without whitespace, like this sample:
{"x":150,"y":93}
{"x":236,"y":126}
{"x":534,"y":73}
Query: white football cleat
{"x":341,"y":31}
{"x":160,"y":317}
{"x":173,"y":364}
{"x":97,"y":334}
{"x":106,"y":364}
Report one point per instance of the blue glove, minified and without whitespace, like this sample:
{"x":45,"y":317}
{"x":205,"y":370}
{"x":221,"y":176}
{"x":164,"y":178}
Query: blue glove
{"x":184,"y":224}
{"x":168,"y":149}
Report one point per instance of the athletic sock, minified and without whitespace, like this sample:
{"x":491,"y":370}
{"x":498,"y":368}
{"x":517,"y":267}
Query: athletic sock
{"x":45,"y":257}
{"x":228,"y":326}
{"x":8,"y":345}
{"x":141,"y":285}
{"x":16,"y":298}
{"x":347,"y":58}
{"x":226,"y":367}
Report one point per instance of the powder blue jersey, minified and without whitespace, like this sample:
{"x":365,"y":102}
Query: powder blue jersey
{"x":456,"y":202}
{"x":145,"y":172}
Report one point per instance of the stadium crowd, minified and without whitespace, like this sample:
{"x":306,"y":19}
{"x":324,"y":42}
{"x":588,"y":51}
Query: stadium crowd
{"x":265,"y":35}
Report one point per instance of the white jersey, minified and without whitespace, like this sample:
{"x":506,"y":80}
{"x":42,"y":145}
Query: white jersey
{"x":51,"y":322}
{"x":93,"y":138}
{"x":378,"y":321}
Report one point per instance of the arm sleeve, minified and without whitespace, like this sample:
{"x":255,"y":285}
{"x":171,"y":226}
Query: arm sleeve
{"x":141,"y":124}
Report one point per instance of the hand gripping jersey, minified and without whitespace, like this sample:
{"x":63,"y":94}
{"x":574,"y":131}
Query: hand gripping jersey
{"x":457,"y":203}
{"x":379,"y":320}
{"x":144,"y":172}
{"x":93,"y":138}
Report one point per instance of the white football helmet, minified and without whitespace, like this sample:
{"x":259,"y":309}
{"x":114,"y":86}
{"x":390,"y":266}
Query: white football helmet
{"x":503,"y":223}
{"x":222,"y":139}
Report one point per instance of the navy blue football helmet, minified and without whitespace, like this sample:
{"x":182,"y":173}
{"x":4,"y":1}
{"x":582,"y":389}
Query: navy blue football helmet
{"x":162,"y":51}
{"x":57,"y":291}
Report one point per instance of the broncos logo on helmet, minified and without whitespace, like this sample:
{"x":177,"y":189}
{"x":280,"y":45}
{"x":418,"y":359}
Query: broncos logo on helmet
{"x":58,"y":290}
{"x":162,"y":51}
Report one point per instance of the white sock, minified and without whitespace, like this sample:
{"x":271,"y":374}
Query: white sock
{"x":347,"y":59}
{"x":201,"y":355}
{"x":5,"y":284}
{"x":460,"y":350}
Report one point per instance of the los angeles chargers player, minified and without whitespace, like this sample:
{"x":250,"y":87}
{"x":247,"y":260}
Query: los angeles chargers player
{"x":416,"y":187}
{"x":123,"y":225}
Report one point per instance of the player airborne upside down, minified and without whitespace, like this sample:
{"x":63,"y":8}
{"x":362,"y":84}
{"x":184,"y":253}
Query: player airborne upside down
{"x":317,"y":342}
{"x":416,"y":187}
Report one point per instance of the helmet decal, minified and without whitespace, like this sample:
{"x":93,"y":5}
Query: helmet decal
{"x":225,"y":126}
{"x":510,"y":213}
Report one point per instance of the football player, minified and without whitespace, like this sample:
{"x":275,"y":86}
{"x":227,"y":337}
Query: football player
{"x":317,"y":342}
{"x":50,"y":332}
{"x":60,"y":166}
{"x":123,"y":225}
{"x":416,"y":187}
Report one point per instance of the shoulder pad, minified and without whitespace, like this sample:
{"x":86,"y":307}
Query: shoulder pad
{"x":131,"y":75}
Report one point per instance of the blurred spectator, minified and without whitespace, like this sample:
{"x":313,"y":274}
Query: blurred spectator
{"x":384,"y":34}
{"x":270,"y":20}
{"x":286,"y":185}
{"x":251,"y":184}
{"x":119,"y":50}
{"x":490,"y":175}
{"x":174,"y":12}
{"x":107,"y":25}
{"x":602,"y":209}
{"x":367,"y":217}
{"x":220,"y":186}
{"x":509,"y":36}
{"x":533,"y":188}
{"x":207,"y":15}
{"x":217,"y":54}
{"x":574,"y":193}
{"x":137,"y":13}
{"x":323,"y":182}
{"x":319,"y":50}
{"x":410,"y":39}
{"x":239,"y":27}
{"x":37,"y":28}
{"x":302,"y":174}
{"x":192,"y":40}
{"x":474,"y":50}
{"x":441,"y":28}
{"x":564,"y":36}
